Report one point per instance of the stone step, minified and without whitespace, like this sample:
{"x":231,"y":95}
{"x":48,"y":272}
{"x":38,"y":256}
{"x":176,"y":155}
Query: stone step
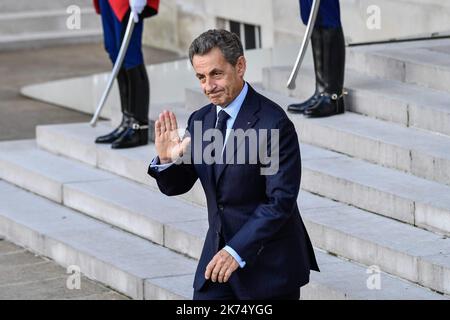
{"x":411,"y":150}
{"x":47,"y":39}
{"x":141,"y":210}
{"x":385,"y":191}
{"x":49,"y":27}
{"x":398,"y":20}
{"x":426,"y":63}
{"x":41,"y":172}
{"x":124,"y":262}
{"x":395,"y":247}
{"x":129,"y":163}
{"x":45,"y":21}
{"x":181,"y":226}
{"x":143,"y":270}
{"x":128,"y":205}
{"x":343,"y":280}
{"x":419,"y":152}
{"x":8,"y":6}
{"x":406,"y":104}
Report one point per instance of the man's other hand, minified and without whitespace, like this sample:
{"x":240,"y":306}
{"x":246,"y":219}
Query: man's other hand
{"x":221,"y":267}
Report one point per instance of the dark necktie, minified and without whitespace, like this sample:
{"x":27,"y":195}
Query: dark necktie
{"x":222,"y":127}
{"x":222,"y":123}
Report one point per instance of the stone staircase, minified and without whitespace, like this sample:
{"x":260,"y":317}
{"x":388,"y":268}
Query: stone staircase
{"x":375,"y":193}
{"x":28,"y":24}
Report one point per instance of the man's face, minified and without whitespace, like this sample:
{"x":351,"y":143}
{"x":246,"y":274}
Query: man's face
{"x":220,"y":81}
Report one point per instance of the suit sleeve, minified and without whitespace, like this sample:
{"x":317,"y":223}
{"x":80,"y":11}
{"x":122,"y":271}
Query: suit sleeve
{"x":282,"y":188}
{"x":176,"y":179}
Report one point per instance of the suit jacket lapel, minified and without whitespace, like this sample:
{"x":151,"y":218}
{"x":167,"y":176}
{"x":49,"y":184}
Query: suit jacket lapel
{"x":245,"y":119}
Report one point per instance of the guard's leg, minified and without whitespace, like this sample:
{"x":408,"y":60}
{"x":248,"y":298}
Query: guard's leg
{"x":109,"y":29}
{"x":112,"y":46}
{"x":122,"y":80}
{"x":139,"y":92}
{"x":317,"y":50}
{"x":329,"y":15}
{"x":137,"y":132}
{"x":331,"y":101}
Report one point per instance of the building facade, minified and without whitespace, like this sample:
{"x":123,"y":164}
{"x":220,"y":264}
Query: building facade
{"x":269,"y":23}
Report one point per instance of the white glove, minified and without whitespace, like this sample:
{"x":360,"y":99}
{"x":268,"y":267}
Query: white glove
{"x":137,"y":6}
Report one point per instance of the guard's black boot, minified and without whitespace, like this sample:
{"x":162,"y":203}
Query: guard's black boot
{"x":317,"y":49}
{"x":331,"y":101}
{"x":116,"y":133}
{"x":328,"y":105}
{"x":301,"y":107}
{"x":135,"y":135}
{"x":122,"y":80}
{"x":139,"y":94}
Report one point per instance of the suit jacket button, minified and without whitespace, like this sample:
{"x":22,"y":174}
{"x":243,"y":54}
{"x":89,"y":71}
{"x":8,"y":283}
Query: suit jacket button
{"x":220,"y":207}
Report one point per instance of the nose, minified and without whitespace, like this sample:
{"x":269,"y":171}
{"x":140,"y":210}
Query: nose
{"x":209,"y":85}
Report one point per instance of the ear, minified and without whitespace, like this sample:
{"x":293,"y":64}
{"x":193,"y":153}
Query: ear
{"x":241,"y":66}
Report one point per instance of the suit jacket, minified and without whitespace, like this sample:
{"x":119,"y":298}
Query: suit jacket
{"x":256,"y":215}
{"x":120,"y":8}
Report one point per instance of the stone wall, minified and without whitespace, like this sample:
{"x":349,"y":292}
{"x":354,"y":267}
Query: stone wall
{"x":180,"y":21}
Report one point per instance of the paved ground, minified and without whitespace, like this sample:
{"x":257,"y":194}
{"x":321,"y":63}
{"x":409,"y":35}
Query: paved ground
{"x":25,"y":276}
{"x":19,"y":115}
{"x":22,"y":274}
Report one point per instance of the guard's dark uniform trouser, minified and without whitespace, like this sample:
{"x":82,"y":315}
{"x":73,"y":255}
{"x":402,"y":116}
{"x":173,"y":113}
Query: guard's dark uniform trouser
{"x":113,"y":32}
{"x":329,"y":15}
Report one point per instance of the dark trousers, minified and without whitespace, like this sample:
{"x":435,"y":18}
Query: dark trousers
{"x":113,"y":33}
{"x":329,"y":15}
{"x":224,"y":291}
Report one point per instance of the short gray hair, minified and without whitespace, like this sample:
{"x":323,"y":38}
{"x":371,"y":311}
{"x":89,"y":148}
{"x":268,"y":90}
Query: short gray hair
{"x":229,"y":43}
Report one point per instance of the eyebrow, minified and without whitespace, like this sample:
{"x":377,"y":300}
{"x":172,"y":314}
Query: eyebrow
{"x":211,"y":72}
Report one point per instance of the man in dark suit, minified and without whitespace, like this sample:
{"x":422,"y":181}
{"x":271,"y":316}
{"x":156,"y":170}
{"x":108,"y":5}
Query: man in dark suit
{"x":257,"y":246}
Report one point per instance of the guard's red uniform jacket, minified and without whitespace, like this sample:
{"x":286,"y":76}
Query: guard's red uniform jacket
{"x":120,"y":7}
